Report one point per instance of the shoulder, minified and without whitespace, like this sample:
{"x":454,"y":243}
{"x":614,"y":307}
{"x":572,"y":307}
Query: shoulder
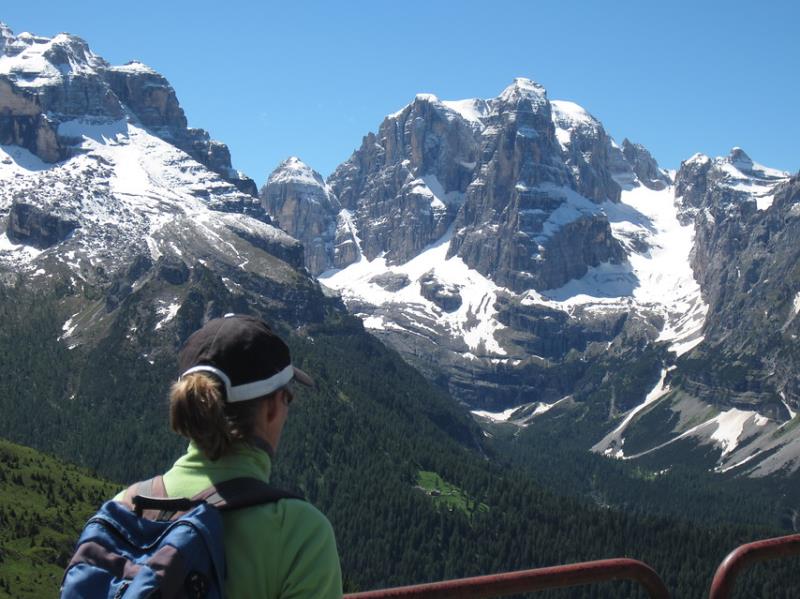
{"x":299,"y":554}
{"x":303,"y":510}
{"x":296,"y":518}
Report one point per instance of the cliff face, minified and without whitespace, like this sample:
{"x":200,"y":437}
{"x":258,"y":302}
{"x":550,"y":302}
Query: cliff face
{"x":405,"y":185}
{"x":510,"y":176}
{"x":746,"y":258}
{"x":301,"y":204}
{"x":523,"y":222}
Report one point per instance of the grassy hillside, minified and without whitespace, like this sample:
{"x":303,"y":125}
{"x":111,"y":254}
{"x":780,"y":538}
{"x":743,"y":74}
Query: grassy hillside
{"x":44,"y":503}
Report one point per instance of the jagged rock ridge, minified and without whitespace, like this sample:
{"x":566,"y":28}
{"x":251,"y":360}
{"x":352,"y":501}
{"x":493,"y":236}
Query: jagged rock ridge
{"x":507,"y":245}
{"x":508,"y":198}
{"x":47,"y":83}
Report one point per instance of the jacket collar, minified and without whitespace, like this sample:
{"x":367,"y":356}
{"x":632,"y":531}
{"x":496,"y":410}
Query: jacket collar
{"x":246,"y":459}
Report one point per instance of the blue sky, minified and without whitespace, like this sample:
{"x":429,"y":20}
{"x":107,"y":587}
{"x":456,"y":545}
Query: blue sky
{"x":311,"y":78}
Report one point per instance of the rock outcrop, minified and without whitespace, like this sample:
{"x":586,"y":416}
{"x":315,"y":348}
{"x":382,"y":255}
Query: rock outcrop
{"x":644,"y":166}
{"x":298,"y":200}
{"x":32,"y":225}
{"x":443,"y":294}
{"x":524,"y":222}
{"x":405,"y":184}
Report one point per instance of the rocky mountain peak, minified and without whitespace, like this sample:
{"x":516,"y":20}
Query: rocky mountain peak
{"x":15,"y":44}
{"x":6,"y":36}
{"x":524,"y":89}
{"x":47,"y":83}
{"x":296,"y":171}
{"x":738,"y":157}
{"x":696,"y":160}
{"x":303,"y":205}
{"x":70,"y":53}
{"x":423,"y":97}
{"x":34,"y":61}
{"x":721,"y":182}
{"x":405,"y":184}
{"x":644,"y":166}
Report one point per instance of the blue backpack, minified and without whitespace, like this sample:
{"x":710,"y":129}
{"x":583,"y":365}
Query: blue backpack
{"x":148,"y":545}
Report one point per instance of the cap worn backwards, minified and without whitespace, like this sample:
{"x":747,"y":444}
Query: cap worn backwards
{"x":244,"y":353}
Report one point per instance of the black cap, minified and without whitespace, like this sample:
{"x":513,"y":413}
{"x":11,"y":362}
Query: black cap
{"x":244,"y":353}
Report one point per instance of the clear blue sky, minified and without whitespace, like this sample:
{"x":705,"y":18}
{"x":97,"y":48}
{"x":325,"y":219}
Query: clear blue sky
{"x":311,"y":78}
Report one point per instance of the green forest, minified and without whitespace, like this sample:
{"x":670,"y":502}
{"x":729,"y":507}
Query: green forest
{"x":414,"y":490}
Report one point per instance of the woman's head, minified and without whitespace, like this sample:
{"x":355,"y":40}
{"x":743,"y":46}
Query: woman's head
{"x":233,"y":385}
{"x":198,"y":410}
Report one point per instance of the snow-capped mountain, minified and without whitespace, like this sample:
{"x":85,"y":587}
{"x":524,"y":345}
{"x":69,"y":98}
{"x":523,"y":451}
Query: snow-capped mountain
{"x":45,"y":83}
{"x":507,"y":247}
{"x":515,"y":253}
{"x":110,"y":204}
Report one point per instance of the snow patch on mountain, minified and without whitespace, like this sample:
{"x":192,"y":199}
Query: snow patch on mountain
{"x":730,"y":425}
{"x":473,"y":321}
{"x":134,"y":66}
{"x":473,"y":110}
{"x":572,"y":207}
{"x":611,"y":444}
{"x":167,"y":313}
{"x":727,"y":431}
{"x":294,"y":170}
{"x":346,"y":227}
{"x":657,"y":274}
{"x":124,"y":182}
{"x":16,"y":254}
{"x":440,"y":199}
{"x":31,"y":61}
{"x":519,"y":415}
{"x":569,"y":116}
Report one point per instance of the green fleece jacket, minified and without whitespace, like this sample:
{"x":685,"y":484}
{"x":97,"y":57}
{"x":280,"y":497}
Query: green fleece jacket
{"x":282,"y":550}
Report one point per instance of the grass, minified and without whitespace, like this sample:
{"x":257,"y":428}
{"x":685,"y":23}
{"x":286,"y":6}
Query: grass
{"x":43,"y":505}
{"x":446,"y":495}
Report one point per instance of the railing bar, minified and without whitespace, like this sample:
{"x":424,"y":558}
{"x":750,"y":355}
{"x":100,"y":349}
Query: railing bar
{"x":526,"y":581}
{"x":746,"y":555}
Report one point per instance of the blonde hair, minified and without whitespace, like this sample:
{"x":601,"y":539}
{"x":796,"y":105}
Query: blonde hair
{"x":198,"y":411}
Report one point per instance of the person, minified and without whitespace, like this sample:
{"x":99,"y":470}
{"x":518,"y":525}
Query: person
{"x":232,"y":401}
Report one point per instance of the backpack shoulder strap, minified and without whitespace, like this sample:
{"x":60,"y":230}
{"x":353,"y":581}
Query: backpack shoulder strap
{"x":152,"y":488}
{"x":243,"y":492}
{"x":149,"y":499}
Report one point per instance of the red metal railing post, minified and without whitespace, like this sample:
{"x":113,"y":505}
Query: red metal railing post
{"x":526,"y":581}
{"x":745,"y":556}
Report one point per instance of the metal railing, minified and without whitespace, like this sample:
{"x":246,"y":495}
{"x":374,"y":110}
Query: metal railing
{"x":526,"y":581}
{"x":746,"y":555}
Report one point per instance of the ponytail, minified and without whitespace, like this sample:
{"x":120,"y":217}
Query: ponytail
{"x":198,"y":411}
